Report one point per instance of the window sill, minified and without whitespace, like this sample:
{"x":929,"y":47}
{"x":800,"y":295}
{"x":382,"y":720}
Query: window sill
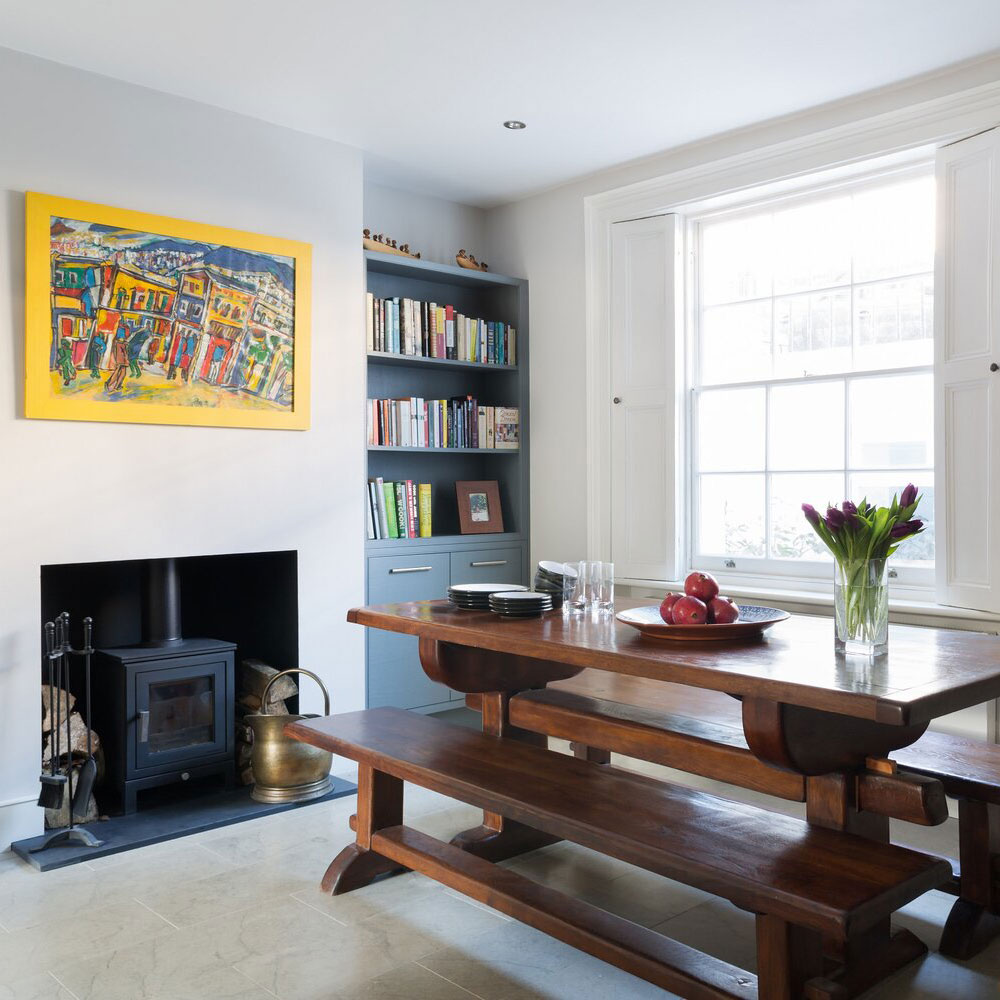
{"x":908,"y":612}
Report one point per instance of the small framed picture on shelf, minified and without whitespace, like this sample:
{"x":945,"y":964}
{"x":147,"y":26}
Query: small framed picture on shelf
{"x":479,"y":506}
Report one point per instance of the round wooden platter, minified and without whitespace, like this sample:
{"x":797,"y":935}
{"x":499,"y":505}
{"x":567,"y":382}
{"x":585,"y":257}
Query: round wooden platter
{"x":752,"y":622}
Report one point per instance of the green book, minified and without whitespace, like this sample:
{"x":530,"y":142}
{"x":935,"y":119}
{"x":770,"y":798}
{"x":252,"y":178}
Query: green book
{"x":390,"y":509}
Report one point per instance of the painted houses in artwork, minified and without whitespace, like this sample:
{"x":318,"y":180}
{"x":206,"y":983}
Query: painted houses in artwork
{"x":140,"y":317}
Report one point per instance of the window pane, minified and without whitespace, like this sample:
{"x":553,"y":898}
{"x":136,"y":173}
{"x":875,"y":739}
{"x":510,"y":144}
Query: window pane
{"x":735,"y":343}
{"x":731,"y":515}
{"x":807,"y":426}
{"x":812,"y":334}
{"x":731,"y":430}
{"x":812,"y":245}
{"x":894,"y":230}
{"x":892,"y":422}
{"x":792,"y":537}
{"x":880,"y":487}
{"x":735,"y":259}
{"x":894,"y":323}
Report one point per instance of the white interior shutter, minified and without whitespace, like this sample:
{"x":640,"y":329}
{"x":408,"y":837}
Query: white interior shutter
{"x":966,"y":391}
{"x":646,"y":375}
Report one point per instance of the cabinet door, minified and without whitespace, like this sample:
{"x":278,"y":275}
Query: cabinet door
{"x":395,"y":676}
{"x":486,"y":566}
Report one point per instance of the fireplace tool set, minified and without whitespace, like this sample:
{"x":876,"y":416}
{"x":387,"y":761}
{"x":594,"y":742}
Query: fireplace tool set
{"x":57,"y":787}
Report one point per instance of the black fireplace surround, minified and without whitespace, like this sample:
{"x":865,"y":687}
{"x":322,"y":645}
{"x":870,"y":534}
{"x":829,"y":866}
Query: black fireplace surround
{"x":164,"y":699}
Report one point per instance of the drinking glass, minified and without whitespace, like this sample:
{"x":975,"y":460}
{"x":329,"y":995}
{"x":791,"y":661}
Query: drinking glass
{"x":575,"y":587}
{"x":603,"y":577}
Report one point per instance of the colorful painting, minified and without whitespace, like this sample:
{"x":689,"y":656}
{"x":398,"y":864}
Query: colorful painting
{"x":141,"y":318}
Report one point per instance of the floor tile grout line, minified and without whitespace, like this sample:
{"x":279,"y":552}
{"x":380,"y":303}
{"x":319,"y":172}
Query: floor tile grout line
{"x":62,"y":985}
{"x":447,"y":980}
{"x":316,"y":909}
{"x":250,"y":979}
{"x":155,"y":913}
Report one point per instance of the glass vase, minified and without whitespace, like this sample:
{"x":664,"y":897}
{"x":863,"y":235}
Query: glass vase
{"x":861,"y":607}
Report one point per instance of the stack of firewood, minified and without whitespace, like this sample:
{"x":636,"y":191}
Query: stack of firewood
{"x":250,"y":683}
{"x":74,"y":756}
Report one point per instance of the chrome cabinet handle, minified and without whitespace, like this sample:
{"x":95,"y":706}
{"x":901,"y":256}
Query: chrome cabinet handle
{"x":144,"y":727}
{"x":411,"y":569}
{"x":490,"y":562}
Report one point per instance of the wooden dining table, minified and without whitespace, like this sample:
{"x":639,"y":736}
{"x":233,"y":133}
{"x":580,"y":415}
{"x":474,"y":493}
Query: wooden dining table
{"x":805,"y":709}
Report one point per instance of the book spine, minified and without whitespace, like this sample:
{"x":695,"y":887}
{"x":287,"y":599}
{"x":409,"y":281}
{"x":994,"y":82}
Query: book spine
{"x":424,"y":494}
{"x":369,"y":518}
{"x":411,"y":509}
{"x":449,"y":331}
{"x":424,"y":330}
{"x":383,"y":514}
{"x":490,"y":426}
{"x":439,"y":337}
{"x":399,"y":501}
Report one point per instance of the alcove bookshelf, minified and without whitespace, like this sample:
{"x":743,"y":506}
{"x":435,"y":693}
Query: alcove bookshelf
{"x":421,"y":568}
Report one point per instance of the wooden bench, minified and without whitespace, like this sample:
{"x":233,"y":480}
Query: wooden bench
{"x":803,"y":883}
{"x":911,"y":787}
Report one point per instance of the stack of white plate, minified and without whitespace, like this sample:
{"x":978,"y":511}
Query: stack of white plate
{"x":476,"y":596}
{"x":524,"y":604}
{"x":551,"y":578}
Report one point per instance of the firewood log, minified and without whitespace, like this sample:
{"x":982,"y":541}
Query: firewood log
{"x":67,"y":706}
{"x":78,"y":740}
{"x":253,"y":678}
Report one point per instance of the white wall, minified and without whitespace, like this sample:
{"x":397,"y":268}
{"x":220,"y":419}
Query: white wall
{"x":143,"y":491}
{"x":541,"y":238}
{"x":434,"y":228}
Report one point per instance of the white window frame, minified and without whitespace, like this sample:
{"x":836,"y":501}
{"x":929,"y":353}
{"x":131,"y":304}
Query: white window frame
{"x":909,"y":582}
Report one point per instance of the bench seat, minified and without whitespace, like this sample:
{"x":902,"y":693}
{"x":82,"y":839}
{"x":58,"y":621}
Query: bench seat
{"x":833,"y":883}
{"x":700,"y":732}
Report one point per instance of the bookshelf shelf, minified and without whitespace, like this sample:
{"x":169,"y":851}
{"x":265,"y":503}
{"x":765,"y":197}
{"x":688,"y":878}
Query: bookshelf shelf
{"x":446,"y":451}
{"x":411,"y":569}
{"x":414,"y":361}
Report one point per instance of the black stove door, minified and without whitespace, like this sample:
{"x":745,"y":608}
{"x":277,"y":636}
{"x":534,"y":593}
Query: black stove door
{"x":181,"y":712}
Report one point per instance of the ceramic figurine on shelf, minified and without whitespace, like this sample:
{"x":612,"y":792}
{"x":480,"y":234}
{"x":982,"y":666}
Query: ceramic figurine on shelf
{"x":466,"y":260}
{"x":383,"y":244}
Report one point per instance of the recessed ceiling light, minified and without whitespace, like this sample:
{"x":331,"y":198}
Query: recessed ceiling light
{"x":514,"y":125}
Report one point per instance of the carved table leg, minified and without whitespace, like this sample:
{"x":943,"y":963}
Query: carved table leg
{"x":380,"y":804}
{"x":498,"y":838}
{"x":868,"y":958}
{"x":974,"y":920}
{"x":831,"y":750}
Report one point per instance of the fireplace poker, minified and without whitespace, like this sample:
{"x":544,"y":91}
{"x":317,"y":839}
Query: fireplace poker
{"x":88,"y":773}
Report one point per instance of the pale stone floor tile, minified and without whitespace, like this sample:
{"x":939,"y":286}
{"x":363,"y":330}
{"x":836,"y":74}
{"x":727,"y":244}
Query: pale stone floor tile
{"x":408,"y":982}
{"x":25,"y":952}
{"x":519,"y":962}
{"x":40,"y":986}
{"x":445,"y":823}
{"x":387,"y":895}
{"x":719,"y":929}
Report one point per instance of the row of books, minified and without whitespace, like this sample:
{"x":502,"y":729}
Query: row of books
{"x":427,"y":330}
{"x":459,"y":422}
{"x":399,"y":510}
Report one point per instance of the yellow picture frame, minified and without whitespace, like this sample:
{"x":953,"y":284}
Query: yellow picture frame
{"x":258,"y":377}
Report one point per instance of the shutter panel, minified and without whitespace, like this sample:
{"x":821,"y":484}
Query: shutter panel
{"x":646,"y":375}
{"x":967,"y":393}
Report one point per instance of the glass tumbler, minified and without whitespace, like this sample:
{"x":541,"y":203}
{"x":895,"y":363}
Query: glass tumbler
{"x":575,"y":587}
{"x":603,"y":582}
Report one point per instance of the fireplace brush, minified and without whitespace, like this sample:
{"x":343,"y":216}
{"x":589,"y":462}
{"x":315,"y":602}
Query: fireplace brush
{"x":53,"y":784}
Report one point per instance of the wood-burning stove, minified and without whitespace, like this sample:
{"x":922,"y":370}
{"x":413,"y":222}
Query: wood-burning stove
{"x":167,"y":708}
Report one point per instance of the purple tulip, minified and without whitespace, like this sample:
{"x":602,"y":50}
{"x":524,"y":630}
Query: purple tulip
{"x":835,"y":519}
{"x":908,"y":496}
{"x":906,"y":528}
{"x":848,"y":508}
{"x":811,"y":513}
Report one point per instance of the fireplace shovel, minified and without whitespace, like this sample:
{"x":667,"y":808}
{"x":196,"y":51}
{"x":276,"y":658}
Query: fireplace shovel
{"x":88,"y":773}
{"x":53,"y":784}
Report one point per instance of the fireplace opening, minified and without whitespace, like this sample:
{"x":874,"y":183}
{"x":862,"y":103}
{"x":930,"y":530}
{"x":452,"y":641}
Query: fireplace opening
{"x":169,"y":635}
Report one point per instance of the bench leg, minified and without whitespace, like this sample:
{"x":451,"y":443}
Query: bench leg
{"x":498,"y":838}
{"x":380,"y":805}
{"x":974,"y":920}
{"x":789,"y":957}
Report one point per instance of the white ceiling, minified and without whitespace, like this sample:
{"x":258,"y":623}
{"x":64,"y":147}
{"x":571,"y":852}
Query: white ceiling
{"x":423,"y":85}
